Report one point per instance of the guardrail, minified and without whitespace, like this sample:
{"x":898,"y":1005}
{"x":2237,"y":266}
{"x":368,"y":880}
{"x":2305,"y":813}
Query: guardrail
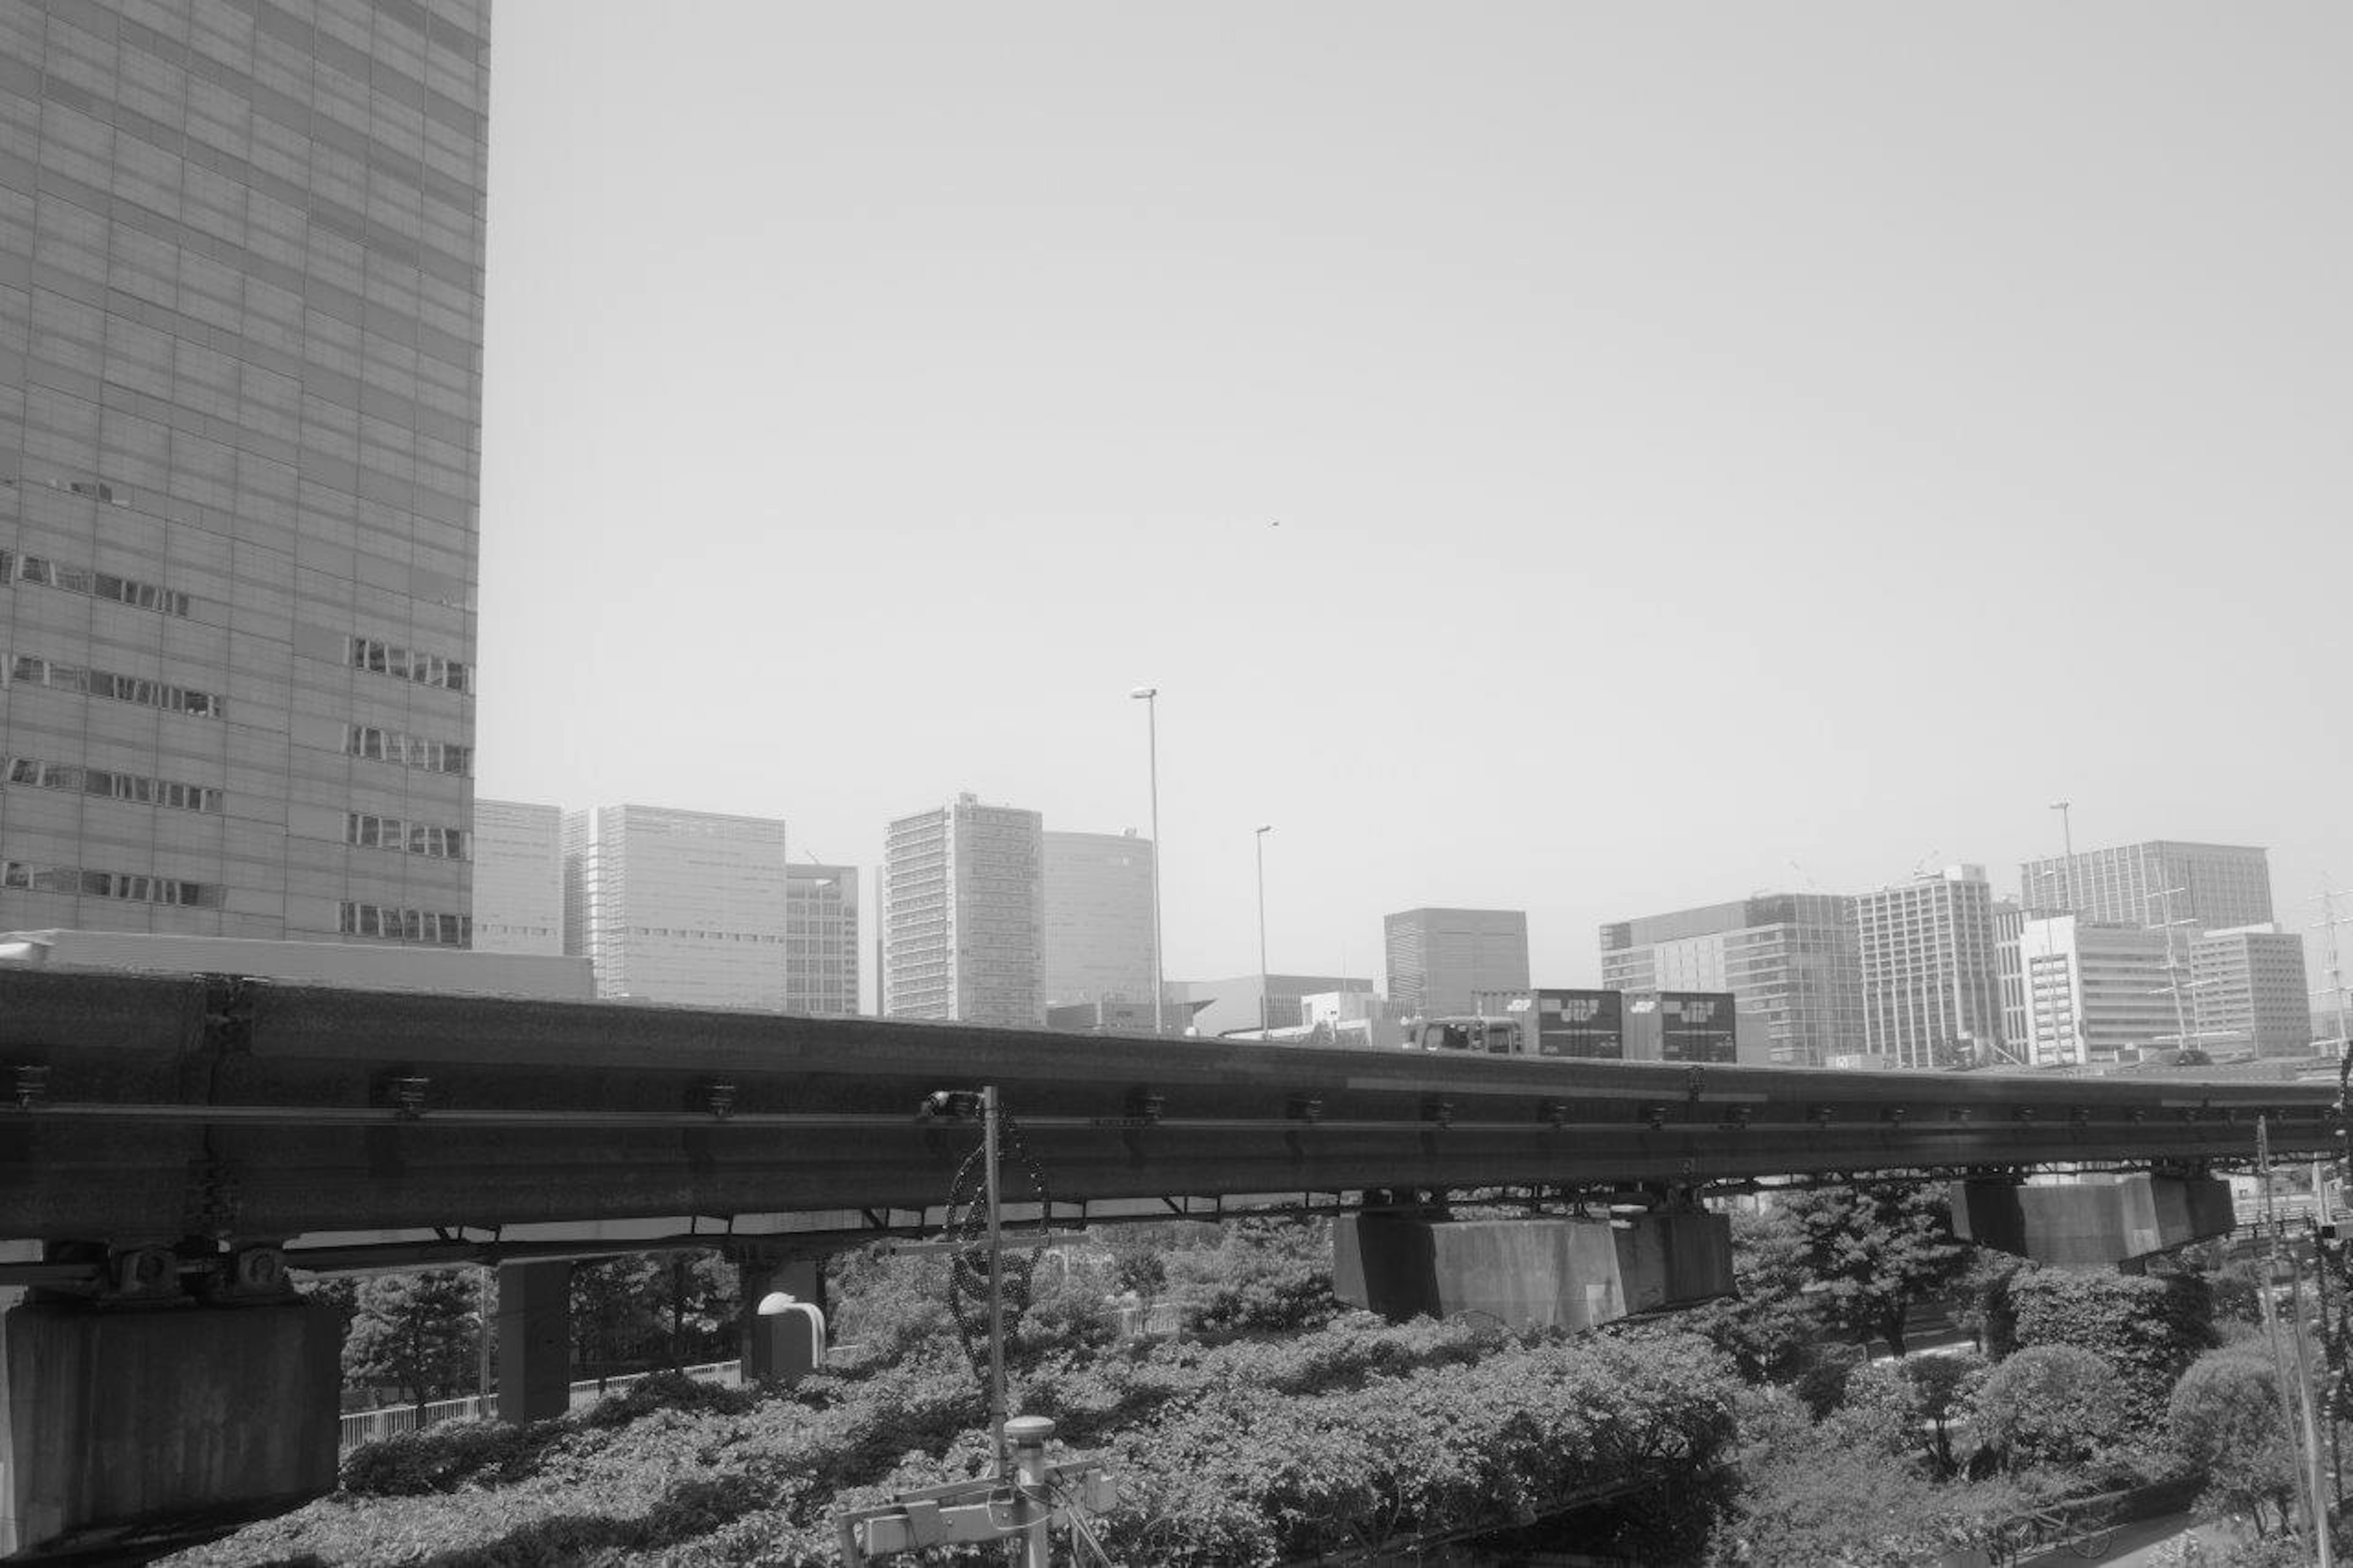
{"x":363,"y":1427}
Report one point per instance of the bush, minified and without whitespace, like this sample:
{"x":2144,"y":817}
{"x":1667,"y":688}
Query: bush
{"x":2224,"y":1416}
{"x":1263,"y":1277}
{"x":2147,"y":1329}
{"x":2052,"y":1405}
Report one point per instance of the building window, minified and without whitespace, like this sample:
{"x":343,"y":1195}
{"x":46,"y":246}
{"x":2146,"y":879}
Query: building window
{"x":410,"y":838}
{"x":28,"y":671}
{"x":409,"y":751}
{"x":379,"y":658}
{"x":422,"y":926}
{"x":129,"y":886}
{"x":98,"y":584}
{"x":112,"y":786}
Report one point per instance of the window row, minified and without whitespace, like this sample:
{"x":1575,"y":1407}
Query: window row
{"x":379,"y":658}
{"x":408,"y":925}
{"x":137,"y":890}
{"x":99,"y":584}
{"x":412,"y":838}
{"x":409,"y":751}
{"x":113,"y":785}
{"x":27,"y":670}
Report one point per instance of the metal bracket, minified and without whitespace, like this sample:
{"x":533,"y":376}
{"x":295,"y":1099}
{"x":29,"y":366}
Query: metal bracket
{"x":407,"y":1094}
{"x":32,"y":1086}
{"x":1305,"y":1107}
{"x":214,"y":1197}
{"x":718,"y":1099}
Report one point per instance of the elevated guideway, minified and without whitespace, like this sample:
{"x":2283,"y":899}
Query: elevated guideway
{"x":177,"y":1141}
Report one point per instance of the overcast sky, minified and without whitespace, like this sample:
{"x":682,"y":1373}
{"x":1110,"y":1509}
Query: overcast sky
{"x":1587,"y":458}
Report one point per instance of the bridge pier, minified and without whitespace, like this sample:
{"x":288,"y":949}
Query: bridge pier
{"x":2092,"y":1222}
{"x":1538,"y":1272}
{"x":115,"y":1415}
{"x":534,"y":1340}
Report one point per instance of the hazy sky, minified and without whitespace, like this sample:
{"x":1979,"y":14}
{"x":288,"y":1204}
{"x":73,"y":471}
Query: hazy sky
{"x":1713,"y":447}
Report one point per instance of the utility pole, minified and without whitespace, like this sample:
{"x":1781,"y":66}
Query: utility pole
{"x":2303,"y":1437}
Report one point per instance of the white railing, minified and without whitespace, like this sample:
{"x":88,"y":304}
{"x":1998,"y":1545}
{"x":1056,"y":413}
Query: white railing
{"x":360,"y":1426}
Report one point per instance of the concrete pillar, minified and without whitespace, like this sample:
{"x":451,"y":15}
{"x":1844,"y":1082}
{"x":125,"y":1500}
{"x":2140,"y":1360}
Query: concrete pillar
{"x":1530,"y":1273}
{"x":535,"y":1340}
{"x":780,"y":1348}
{"x":2092,"y":1222}
{"x":123,"y":1416}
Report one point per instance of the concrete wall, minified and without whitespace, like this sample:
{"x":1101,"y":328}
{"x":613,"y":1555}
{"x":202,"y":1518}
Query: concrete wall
{"x":115,"y":1418}
{"x":1557,"y":1273}
{"x":2092,"y":1220}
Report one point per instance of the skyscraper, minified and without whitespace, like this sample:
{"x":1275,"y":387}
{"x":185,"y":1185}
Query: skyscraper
{"x":821,"y":940}
{"x":1098,"y":917}
{"x":1931,"y":995}
{"x":1438,"y":959}
{"x":2247,"y":984}
{"x":964,"y":915}
{"x":518,"y":877}
{"x":2223,"y":885}
{"x":1790,"y":958}
{"x":241,"y":391}
{"x":678,"y":906}
{"x":2095,"y":991}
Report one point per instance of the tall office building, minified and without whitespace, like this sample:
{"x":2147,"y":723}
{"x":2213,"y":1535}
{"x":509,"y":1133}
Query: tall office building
{"x":241,"y":397}
{"x":2097,"y":991}
{"x":1440,"y":959}
{"x":518,"y":877}
{"x":2221,"y":885}
{"x":2248,"y":987}
{"x":964,"y":915}
{"x":1790,"y":958}
{"x":686,"y":907}
{"x":821,"y":940}
{"x":1098,"y":944}
{"x":1931,"y":992}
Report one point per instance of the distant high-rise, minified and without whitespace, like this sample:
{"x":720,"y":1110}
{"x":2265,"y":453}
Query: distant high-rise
{"x":2247,"y":986}
{"x":1098,"y":918}
{"x":1790,"y":959}
{"x":686,"y":907}
{"x":963,"y":897}
{"x":821,"y":940}
{"x":518,"y":877}
{"x":2221,"y":885}
{"x":240,"y":398}
{"x":1931,"y":992}
{"x":1438,"y":959}
{"x":2097,"y":991}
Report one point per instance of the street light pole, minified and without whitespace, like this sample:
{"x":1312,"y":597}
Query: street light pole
{"x":2067,"y":843}
{"x":1260,"y":835}
{"x":1151,"y":697}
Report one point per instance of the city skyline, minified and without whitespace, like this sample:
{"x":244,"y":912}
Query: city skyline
{"x":1620,"y":408}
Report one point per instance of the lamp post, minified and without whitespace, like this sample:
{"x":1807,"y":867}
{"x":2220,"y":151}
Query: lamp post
{"x":2067,"y":842}
{"x":1259,"y":836}
{"x":1150,"y":696}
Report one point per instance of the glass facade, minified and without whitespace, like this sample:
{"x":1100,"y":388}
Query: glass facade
{"x":241,"y":249}
{"x":964,"y":916}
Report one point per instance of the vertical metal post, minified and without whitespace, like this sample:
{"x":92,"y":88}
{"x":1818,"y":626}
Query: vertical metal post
{"x":2310,"y":1470}
{"x":996,"y":1282}
{"x":1028,"y":1435}
{"x":1151,"y":695}
{"x":2307,"y":1504}
{"x":482,"y":1363}
{"x":1265,"y":1007}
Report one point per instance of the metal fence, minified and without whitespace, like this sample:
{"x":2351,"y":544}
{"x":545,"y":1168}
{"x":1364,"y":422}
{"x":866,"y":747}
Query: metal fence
{"x":361,"y":1427}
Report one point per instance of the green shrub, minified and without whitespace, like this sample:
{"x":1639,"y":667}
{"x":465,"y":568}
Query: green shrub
{"x":2147,"y":1327}
{"x":2051,"y":1406}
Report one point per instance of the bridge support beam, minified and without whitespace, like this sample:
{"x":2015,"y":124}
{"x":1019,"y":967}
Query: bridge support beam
{"x":779,"y":1349}
{"x":2092,"y":1222}
{"x":113,"y":1417}
{"x":1560,"y":1273}
{"x":535,"y":1340}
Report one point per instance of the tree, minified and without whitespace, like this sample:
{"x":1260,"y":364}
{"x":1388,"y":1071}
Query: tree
{"x":1263,"y":1276}
{"x":1874,"y":1249}
{"x":2225,"y":1418}
{"x":2051,"y":1406}
{"x":1771,"y":1328}
{"x":420,"y":1333}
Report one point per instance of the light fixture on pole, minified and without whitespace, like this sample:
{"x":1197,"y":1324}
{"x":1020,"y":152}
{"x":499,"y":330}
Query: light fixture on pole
{"x":1150,"y":696}
{"x":1260,"y":835}
{"x":2067,"y":843}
